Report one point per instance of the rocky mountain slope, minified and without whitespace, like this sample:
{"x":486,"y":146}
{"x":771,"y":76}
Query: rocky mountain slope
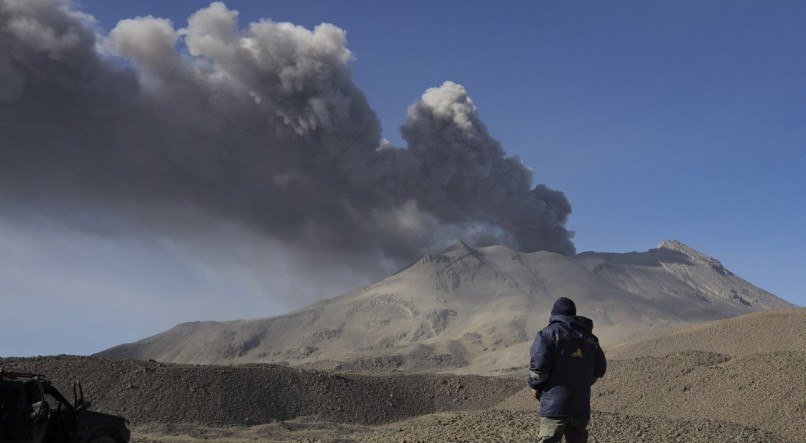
{"x":762,"y":332}
{"x":471,"y":310}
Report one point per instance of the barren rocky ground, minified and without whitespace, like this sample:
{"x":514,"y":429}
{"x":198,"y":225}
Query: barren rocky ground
{"x":761,"y":332}
{"x":147,"y":392}
{"x":750,"y":389}
{"x":489,"y":425}
{"x":681,"y":397}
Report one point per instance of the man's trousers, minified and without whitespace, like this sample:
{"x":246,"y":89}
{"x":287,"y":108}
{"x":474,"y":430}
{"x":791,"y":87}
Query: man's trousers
{"x":552,"y":430}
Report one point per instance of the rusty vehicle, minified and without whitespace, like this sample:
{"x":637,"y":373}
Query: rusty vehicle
{"x":32,"y":410}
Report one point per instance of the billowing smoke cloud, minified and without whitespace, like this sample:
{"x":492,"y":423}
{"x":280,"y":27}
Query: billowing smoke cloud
{"x":260,"y":126}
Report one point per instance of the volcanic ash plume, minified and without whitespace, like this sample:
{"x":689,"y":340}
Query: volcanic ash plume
{"x":261,"y":126}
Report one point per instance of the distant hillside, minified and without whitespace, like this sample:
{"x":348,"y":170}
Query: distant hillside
{"x":763,"y":332}
{"x":471,"y":310}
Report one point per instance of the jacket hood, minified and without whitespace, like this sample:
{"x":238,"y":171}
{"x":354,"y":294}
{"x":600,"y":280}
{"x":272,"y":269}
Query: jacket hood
{"x":564,"y":306}
{"x":578,"y":325}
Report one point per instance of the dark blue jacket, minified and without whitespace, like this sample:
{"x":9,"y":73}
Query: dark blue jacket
{"x":566,"y":361}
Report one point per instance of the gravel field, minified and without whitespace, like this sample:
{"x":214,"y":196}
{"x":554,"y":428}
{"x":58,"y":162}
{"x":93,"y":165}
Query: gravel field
{"x":692,"y":397}
{"x":148,"y":392}
{"x":764,"y":391}
{"x":762,"y":332}
{"x":746,"y":392}
{"x":489,"y":425}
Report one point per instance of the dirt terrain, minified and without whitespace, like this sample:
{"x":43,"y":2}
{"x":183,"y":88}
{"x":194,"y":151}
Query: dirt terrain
{"x":695,"y":396}
{"x":762,"y":332}
{"x":148,"y":392}
{"x":483,"y":426}
{"x":759,"y":391}
{"x":749,"y":388}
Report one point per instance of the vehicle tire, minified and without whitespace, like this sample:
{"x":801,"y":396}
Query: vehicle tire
{"x":103,"y":439}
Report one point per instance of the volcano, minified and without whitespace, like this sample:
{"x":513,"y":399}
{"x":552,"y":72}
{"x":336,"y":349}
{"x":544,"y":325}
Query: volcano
{"x":471,"y":310}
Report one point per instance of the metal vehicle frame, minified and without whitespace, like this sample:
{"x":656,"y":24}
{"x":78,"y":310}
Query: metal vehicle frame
{"x":32,"y":410}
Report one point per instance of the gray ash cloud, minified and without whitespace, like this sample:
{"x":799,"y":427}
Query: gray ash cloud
{"x":260,"y":126}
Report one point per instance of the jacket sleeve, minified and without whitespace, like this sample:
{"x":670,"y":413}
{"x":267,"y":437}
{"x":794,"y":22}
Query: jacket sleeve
{"x":542,"y":353}
{"x":599,"y":363}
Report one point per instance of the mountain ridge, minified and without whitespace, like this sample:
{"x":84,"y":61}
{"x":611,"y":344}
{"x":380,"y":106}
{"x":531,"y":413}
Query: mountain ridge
{"x":470,"y":309}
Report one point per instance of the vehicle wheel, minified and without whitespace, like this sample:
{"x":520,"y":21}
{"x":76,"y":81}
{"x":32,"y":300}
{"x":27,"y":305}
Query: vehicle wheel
{"x":103,"y":439}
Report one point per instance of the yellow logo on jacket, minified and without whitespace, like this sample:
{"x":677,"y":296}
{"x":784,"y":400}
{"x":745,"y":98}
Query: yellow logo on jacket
{"x":577,"y":354}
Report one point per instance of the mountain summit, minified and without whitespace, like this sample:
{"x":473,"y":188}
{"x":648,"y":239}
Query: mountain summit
{"x":471,"y":310}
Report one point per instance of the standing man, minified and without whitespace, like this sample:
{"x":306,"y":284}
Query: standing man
{"x":566,"y":361}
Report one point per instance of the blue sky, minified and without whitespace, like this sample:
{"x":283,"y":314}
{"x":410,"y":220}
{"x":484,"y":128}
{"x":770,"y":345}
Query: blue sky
{"x":658,"y":120}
